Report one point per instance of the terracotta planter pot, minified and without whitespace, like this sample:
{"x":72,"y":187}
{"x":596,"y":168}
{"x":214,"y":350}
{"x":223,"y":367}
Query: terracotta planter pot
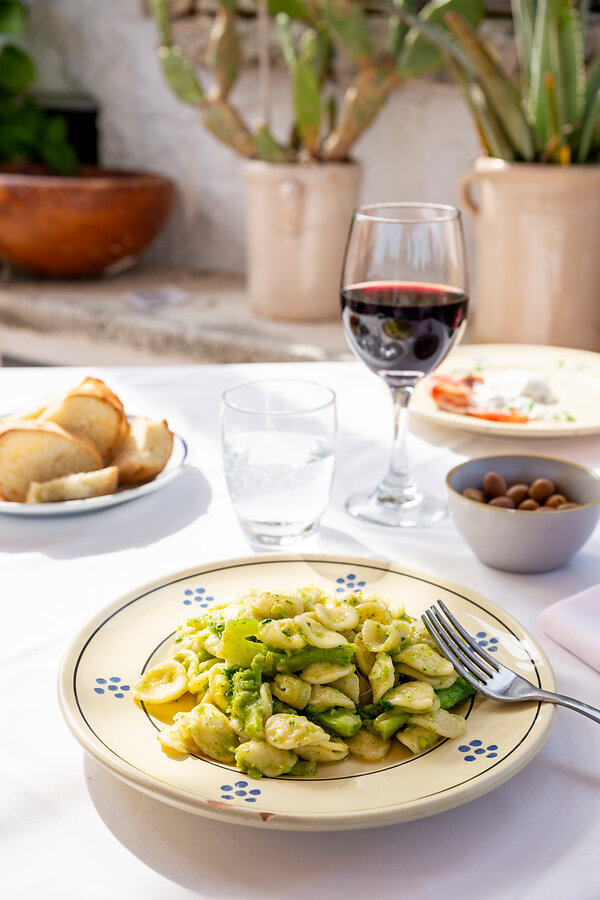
{"x":297,"y":220}
{"x":538,"y":263}
{"x":79,"y":226}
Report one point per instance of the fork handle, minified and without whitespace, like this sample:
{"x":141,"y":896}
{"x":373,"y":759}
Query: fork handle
{"x":590,"y":711}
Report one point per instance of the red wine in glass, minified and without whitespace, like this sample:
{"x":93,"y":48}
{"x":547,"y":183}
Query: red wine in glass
{"x":402,"y":330}
{"x":404,"y":305}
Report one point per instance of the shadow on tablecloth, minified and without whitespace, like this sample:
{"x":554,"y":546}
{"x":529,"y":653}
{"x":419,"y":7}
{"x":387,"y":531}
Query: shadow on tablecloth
{"x":136,"y":523}
{"x":502,"y":845}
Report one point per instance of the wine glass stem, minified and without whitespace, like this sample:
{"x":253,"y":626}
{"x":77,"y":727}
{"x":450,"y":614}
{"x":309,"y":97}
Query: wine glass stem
{"x":398,"y":482}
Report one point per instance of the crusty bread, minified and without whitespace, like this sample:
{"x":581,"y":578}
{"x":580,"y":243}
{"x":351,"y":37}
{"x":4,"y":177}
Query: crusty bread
{"x":31,"y":450}
{"x":145,"y":451}
{"x":78,"y":486}
{"x":93,"y":410}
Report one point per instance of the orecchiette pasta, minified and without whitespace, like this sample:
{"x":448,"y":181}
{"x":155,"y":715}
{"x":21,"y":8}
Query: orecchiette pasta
{"x":283,"y":681}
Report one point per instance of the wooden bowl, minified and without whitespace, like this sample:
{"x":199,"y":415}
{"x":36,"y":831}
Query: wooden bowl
{"x":81,"y":225}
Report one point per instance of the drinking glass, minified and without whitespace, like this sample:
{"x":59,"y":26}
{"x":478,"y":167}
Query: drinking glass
{"x":278,"y":439}
{"x":404,"y":305}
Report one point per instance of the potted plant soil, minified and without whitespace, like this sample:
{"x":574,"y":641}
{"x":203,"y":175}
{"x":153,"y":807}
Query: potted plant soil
{"x":535,"y":191}
{"x":57,"y":217}
{"x":300,"y":193}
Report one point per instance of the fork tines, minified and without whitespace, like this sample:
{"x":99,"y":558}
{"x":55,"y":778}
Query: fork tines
{"x":465,"y":654}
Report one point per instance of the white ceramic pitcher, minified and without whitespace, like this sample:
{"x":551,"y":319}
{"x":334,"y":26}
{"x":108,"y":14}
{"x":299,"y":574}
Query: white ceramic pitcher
{"x":538,"y":252}
{"x":297,"y":220}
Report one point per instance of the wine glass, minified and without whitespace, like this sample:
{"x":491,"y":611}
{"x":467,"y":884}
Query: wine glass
{"x":404,"y":305}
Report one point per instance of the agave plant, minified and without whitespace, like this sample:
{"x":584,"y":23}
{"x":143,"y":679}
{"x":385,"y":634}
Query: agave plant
{"x":323,"y":129}
{"x":551,"y":114}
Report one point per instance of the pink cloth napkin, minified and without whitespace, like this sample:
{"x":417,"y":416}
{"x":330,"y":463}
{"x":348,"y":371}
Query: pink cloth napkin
{"x":574,"y":623}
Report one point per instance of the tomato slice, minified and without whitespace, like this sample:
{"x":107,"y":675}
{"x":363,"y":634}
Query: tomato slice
{"x":497,"y":415}
{"x":454,"y":394}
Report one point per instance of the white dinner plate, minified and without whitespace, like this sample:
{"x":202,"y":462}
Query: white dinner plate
{"x":135,"y":631}
{"x":177,"y":461}
{"x":573,"y":377}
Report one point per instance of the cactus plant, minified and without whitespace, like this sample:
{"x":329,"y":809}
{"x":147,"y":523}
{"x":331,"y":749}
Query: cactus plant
{"x":321,"y":131}
{"x":552,"y":113}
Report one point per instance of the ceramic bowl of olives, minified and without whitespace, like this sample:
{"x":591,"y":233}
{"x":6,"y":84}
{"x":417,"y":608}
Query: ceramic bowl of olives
{"x":525,"y":514}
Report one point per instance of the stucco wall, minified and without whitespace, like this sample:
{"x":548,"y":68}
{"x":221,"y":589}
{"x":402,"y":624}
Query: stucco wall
{"x":422,"y":142}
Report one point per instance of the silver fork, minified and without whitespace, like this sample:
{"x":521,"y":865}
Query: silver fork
{"x":485,"y":674}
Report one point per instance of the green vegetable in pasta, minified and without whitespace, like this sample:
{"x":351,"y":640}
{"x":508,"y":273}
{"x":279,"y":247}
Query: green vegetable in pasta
{"x":235,"y":644}
{"x":299,"y":659}
{"x":303,"y":767}
{"x":342,"y":722}
{"x":455,"y":694}
{"x":247,"y":708}
{"x":387,"y":724}
{"x":282,"y":682}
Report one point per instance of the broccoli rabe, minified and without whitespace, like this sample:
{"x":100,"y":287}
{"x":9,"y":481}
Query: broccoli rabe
{"x":454,"y":694}
{"x":238,"y":641}
{"x":296,"y":660}
{"x":246,"y":706}
{"x":387,"y":724}
{"x":341,"y":721}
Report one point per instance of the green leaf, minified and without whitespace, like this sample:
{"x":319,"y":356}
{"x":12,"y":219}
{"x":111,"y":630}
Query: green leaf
{"x":180,"y":75}
{"x":286,"y":39}
{"x":20,"y":128}
{"x":27,"y":133}
{"x":490,"y":131}
{"x":16,"y":69}
{"x":523,"y":15}
{"x":570,"y":62}
{"x":223,"y":53}
{"x":348,"y":24}
{"x":398,"y":29}
{"x":537,"y":101}
{"x":55,"y":148}
{"x":556,"y":55}
{"x":307,"y":103}
{"x":419,"y":54}
{"x":295,"y":9}
{"x":593,"y":81}
{"x":160,"y":14}
{"x":589,"y":129}
{"x":12,"y":17}
{"x":268,"y":149}
{"x":315,"y":50}
{"x":501,"y":94}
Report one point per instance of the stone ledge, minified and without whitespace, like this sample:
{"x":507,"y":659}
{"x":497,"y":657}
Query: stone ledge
{"x":215,"y":325}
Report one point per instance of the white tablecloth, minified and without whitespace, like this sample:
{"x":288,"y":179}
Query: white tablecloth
{"x":70,"y":829}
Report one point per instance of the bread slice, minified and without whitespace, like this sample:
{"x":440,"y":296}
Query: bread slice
{"x":31,"y":450}
{"x":78,"y":486}
{"x":93,"y":410}
{"x":145,"y":451}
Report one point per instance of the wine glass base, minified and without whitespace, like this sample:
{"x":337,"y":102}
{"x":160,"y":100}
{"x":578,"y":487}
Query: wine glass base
{"x":420,"y":511}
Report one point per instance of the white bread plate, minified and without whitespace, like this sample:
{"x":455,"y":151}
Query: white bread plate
{"x":178,"y":460}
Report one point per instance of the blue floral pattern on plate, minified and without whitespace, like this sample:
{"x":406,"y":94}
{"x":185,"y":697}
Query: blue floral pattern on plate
{"x":349,"y":583}
{"x":487,"y":643}
{"x":197,"y":596}
{"x":239,"y":790}
{"x":475,"y":749}
{"x":113,"y":686}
